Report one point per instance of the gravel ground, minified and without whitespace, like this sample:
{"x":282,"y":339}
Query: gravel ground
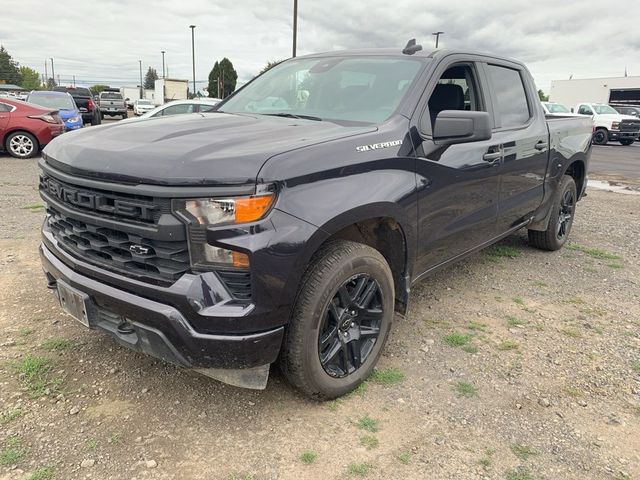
{"x":514,"y":364}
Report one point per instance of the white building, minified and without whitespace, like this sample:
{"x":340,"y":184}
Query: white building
{"x":614,"y":90}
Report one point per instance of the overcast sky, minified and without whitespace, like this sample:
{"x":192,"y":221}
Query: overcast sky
{"x":102,"y":41}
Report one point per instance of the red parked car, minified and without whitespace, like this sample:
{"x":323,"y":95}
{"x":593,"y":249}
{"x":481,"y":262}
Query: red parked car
{"x":26,"y":128}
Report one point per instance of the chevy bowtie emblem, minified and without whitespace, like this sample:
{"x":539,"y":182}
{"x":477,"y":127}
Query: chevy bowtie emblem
{"x":138,"y":249}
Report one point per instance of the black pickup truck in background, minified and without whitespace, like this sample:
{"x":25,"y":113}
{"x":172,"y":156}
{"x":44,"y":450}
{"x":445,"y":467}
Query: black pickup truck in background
{"x":290,"y":224}
{"x":84,"y":100}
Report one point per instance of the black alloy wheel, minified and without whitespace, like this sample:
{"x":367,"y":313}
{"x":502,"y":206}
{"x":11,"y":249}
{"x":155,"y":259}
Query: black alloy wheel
{"x":565,"y":215}
{"x":351,"y":326}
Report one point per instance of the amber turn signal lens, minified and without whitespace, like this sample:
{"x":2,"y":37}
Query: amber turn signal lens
{"x":251,"y":209}
{"x":240,"y":260}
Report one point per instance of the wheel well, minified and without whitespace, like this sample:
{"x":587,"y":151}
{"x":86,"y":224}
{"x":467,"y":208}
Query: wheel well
{"x":577,"y":171}
{"x":385,"y":235}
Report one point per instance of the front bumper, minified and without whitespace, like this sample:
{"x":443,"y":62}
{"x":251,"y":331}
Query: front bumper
{"x":618,"y":135}
{"x":161,"y":330}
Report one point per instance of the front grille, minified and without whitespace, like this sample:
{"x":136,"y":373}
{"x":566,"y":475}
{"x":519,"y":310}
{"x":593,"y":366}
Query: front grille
{"x":238,"y":283}
{"x":105,"y":203}
{"x":630,"y":126}
{"x":119,"y":251}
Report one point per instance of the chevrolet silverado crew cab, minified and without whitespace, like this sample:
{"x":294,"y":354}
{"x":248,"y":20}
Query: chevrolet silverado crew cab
{"x":112,"y":103}
{"x":289,"y":224}
{"x":609,"y":125}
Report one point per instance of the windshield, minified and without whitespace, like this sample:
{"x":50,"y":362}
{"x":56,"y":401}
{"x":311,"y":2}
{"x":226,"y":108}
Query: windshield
{"x":604,"y":109}
{"x":111,"y":96}
{"x":556,"y":108}
{"x":57,"y":102}
{"x":143,"y":102}
{"x":364,"y":89}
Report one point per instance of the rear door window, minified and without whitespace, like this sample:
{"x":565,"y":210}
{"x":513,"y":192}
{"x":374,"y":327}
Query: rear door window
{"x":512,"y":107}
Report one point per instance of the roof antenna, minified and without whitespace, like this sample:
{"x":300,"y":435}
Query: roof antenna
{"x":411,"y":47}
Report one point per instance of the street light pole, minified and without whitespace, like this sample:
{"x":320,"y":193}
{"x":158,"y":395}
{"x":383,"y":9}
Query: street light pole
{"x":53,"y":72}
{"x":437,"y":35}
{"x":162,"y":63}
{"x":141,"y":85}
{"x":295,"y":26}
{"x":193,"y":57}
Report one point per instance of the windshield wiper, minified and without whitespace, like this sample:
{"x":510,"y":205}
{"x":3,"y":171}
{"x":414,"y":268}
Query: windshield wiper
{"x":291,"y":115}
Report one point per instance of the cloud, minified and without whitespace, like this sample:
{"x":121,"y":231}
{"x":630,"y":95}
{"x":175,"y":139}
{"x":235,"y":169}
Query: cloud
{"x":102,"y":42}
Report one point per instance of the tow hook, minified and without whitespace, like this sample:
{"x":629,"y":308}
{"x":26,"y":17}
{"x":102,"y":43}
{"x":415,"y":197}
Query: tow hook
{"x":125,"y":328}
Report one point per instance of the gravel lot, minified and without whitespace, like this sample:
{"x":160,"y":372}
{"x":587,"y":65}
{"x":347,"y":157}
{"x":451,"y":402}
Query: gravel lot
{"x":514,"y":364}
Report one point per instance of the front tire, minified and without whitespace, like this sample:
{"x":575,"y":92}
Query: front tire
{"x":340,"y":321}
{"x":601,"y":136}
{"x":627,"y":141}
{"x":22,"y":145}
{"x":561,"y":220}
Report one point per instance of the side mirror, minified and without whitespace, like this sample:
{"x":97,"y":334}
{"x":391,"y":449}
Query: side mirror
{"x":461,"y":126}
{"x":571,"y":109}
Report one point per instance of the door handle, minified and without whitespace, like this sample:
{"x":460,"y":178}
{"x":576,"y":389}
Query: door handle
{"x":492,"y":157}
{"x":542,"y":146}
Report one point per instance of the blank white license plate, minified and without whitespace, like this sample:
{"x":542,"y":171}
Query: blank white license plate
{"x":74,"y":302}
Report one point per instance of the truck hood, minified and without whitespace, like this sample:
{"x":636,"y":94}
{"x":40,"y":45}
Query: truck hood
{"x":613,"y":117}
{"x":193,"y":149}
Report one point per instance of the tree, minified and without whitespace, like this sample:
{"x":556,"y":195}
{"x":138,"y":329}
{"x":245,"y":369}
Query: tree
{"x":50,"y":83}
{"x":270,"y":64}
{"x":96,"y":89}
{"x":9,"y":71}
{"x":222,"y":72}
{"x":542,"y":96}
{"x":150,"y":78}
{"x":30,"y":78}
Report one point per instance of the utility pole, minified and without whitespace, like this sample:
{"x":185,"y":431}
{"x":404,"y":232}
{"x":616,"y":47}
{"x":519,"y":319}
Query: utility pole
{"x":53,"y":72}
{"x":437,"y":35}
{"x":193,"y":57}
{"x":295,"y":26}
{"x":74,"y":80}
{"x":46,"y":73}
{"x":141,"y":84}
{"x":162,"y":63}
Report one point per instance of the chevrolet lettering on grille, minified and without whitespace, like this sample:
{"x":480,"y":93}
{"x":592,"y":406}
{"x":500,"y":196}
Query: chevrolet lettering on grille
{"x":96,"y":201}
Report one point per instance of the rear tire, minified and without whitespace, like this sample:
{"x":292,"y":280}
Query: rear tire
{"x":601,"y":136}
{"x":96,"y":119}
{"x":627,"y":141}
{"x":340,"y":321}
{"x":125,"y":116}
{"x":561,"y":220}
{"x":21,"y":145}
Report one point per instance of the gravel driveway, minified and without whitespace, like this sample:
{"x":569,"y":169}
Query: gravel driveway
{"x":514,"y":364}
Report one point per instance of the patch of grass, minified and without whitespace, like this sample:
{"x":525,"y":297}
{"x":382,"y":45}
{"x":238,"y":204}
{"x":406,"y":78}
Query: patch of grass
{"x":404,"y":458}
{"x":521,"y":451}
{"x":476,"y":326}
{"x":308,"y":457}
{"x":114,"y":438}
{"x":616,"y":265}
{"x":572,"y":392}
{"x":369,"y":441}
{"x":360,"y":469}
{"x":13,"y":452}
{"x":360,"y":390}
{"x":93,"y":444}
{"x":25,"y":332}
{"x":636,"y":367}
{"x":507,"y":345}
{"x":45,"y":473}
{"x":10,"y":415}
{"x":367,"y":423}
{"x":34,"y":371}
{"x":538,"y":283}
{"x":502,"y":251}
{"x":594,"y":252}
{"x":572,"y":333}
{"x":514,"y":321}
{"x":333,"y":405}
{"x":518,"y":300}
{"x":485,"y":462}
{"x":387,"y":376}
{"x":470,"y":348}
{"x":34,"y":207}
{"x":520,"y":473}
{"x":466,"y":389}
{"x":58,"y":344}
{"x":457,"y":339}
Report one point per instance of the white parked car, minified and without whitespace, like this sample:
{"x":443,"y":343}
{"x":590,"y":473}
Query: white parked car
{"x":557,"y":110}
{"x":141,"y":107}
{"x":609,"y":124}
{"x":178,"y":107}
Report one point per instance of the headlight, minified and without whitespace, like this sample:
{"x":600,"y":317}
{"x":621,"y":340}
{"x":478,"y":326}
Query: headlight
{"x":615,"y":125}
{"x":200,"y":213}
{"x":74,"y":119}
{"x":224,"y":211}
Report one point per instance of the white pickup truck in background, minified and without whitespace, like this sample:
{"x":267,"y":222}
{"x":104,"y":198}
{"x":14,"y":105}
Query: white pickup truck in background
{"x":609,"y":125}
